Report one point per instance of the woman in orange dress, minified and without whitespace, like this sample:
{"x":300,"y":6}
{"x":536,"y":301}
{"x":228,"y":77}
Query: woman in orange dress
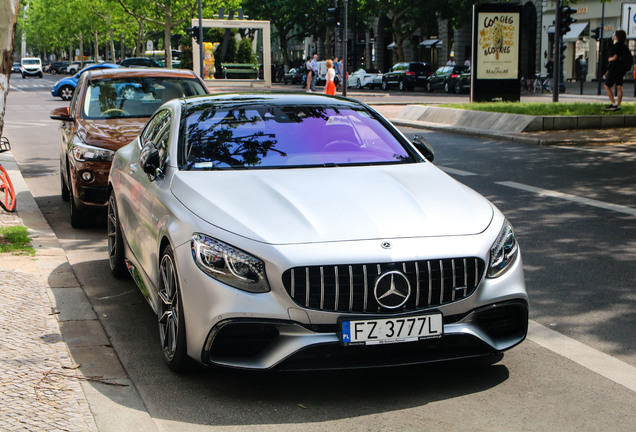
{"x":330,"y":87}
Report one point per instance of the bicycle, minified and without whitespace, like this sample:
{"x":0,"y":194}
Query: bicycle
{"x":542,"y":84}
{"x":7,"y":193}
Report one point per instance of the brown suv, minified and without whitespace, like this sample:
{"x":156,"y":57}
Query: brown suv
{"x":108,"y":110}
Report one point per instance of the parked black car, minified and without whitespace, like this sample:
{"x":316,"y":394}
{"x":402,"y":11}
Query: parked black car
{"x":407,"y":76}
{"x":460,"y":83}
{"x":57,"y":67}
{"x":441,"y":77}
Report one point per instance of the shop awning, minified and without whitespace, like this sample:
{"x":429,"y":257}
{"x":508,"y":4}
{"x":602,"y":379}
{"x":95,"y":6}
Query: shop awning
{"x":430,"y":43}
{"x":575,"y":31}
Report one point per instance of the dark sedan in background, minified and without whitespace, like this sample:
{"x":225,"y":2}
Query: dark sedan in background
{"x":406,"y":76}
{"x":442,"y":76}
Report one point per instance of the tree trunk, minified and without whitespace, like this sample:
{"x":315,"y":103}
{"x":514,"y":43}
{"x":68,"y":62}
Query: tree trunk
{"x":81,"y":50}
{"x":122,"y":48}
{"x":8,"y":18}
{"x":96,"y":55}
{"x":112,"y":46}
{"x":167,"y":40}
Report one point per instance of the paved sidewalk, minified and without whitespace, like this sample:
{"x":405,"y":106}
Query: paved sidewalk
{"x":40,"y":384}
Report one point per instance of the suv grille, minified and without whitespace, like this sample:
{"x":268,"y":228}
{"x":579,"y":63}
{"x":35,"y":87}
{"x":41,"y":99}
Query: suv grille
{"x":350,"y":288}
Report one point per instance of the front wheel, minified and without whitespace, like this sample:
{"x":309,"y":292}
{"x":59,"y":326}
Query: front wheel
{"x":116,"y":260}
{"x":402,"y":86}
{"x":385,"y":85}
{"x":171,"y":321}
{"x":458,"y":88}
{"x":429,"y":87}
{"x":66,"y":93}
{"x":359,"y":84}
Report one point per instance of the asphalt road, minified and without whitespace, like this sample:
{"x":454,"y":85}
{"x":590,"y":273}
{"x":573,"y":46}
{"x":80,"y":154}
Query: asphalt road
{"x":574,"y":211}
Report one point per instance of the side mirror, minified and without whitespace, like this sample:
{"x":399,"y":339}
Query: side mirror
{"x":150,"y":160}
{"x":424,"y":147}
{"x":63,"y":113}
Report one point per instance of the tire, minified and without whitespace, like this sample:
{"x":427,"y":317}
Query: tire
{"x":458,"y":88}
{"x":172,"y":334}
{"x":78,"y":216}
{"x":385,"y":85}
{"x":23,"y":76}
{"x":446,"y":88}
{"x":66,"y":92}
{"x":429,"y":87}
{"x":359,"y":84}
{"x":66,"y":194}
{"x":53,"y":72}
{"x":41,"y":75}
{"x":402,"y":86}
{"x":116,"y":258}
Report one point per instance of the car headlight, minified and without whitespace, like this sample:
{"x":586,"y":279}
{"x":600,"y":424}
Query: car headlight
{"x":503,"y":252}
{"x":85,"y":152}
{"x":228,"y":264}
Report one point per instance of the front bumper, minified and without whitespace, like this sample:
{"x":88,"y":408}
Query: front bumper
{"x":229,"y":327}
{"x":254,"y":344}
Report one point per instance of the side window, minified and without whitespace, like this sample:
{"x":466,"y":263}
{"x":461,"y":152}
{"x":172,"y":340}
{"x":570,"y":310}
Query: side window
{"x":155,"y":126}
{"x":162,"y":146}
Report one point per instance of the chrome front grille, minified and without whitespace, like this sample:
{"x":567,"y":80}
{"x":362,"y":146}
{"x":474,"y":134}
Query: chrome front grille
{"x":350,"y":288}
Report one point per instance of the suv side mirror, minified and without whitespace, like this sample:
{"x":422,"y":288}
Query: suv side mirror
{"x":63,"y":113}
{"x":424,"y":147}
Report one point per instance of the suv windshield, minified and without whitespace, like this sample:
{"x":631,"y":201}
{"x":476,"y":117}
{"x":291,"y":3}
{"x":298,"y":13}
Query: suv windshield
{"x":31,"y":62}
{"x":285,"y":136}
{"x":135,"y":96}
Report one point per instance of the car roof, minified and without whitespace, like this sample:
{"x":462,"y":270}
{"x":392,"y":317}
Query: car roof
{"x":141,"y":72}
{"x":273,"y":99}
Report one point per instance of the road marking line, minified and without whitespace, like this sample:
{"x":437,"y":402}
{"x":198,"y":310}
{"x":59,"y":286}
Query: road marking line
{"x":456,"y":171}
{"x":568,"y":197}
{"x":594,"y":360}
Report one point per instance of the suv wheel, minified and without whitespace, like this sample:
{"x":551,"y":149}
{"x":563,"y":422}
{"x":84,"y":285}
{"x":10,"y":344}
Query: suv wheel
{"x":402,"y":86}
{"x":429,"y":87}
{"x":385,"y":85}
{"x":446,"y":88}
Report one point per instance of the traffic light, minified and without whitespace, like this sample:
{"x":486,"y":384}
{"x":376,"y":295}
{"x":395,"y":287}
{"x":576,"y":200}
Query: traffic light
{"x":563,"y":47}
{"x":566,"y":19}
{"x":194,"y":32}
{"x":596,"y":33}
{"x":333,"y":15}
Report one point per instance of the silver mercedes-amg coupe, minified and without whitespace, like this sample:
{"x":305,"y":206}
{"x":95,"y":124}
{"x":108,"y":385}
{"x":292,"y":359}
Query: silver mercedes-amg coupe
{"x":302,"y":231}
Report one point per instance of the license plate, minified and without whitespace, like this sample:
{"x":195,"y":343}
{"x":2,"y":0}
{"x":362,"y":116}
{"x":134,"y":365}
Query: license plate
{"x":391,"y":330}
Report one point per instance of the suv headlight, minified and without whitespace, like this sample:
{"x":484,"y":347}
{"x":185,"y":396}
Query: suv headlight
{"x":503,"y":252}
{"x":229,"y":265}
{"x":85,"y":152}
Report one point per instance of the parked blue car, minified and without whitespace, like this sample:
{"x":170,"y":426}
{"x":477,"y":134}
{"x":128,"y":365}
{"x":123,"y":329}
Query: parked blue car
{"x":65,"y":87}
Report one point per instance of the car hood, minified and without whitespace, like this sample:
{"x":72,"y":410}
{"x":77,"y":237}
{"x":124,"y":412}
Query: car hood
{"x":111,"y":134}
{"x":289,"y":206}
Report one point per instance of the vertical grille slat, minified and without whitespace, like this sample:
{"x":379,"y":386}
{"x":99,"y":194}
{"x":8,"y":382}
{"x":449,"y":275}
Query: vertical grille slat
{"x":433,"y":283}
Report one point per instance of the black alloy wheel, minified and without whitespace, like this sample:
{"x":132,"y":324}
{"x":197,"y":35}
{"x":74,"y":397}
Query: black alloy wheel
{"x":116,"y":259}
{"x":171,"y":321}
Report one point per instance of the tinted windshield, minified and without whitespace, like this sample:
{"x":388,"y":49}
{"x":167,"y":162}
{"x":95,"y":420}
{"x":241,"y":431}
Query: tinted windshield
{"x":31,"y":62}
{"x":285,"y":136}
{"x":135,"y":96}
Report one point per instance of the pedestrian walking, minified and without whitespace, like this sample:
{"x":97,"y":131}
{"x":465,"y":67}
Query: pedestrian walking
{"x":337,"y":64}
{"x":330,"y":86}
{"x":314,"y":69}
{"x":309,"y":74}
{"x":619,"y":62}
{"x":451,"y":61}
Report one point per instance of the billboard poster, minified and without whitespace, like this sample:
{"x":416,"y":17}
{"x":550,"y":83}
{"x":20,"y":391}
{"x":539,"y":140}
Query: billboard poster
{"x":496,"y":48}
{"x":498,"y":45}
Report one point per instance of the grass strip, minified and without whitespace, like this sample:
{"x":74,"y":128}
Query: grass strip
{"x":15,"y":239}
{"x":545,"y":109}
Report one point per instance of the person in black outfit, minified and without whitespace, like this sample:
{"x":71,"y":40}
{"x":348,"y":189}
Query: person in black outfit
{"x":615,"y":71}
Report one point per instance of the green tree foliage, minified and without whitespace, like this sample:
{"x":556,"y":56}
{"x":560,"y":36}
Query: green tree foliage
{"x":245,"y":53}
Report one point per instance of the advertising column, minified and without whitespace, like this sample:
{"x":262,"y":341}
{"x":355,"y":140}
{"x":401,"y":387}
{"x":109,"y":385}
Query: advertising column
{"x":495,"y":73}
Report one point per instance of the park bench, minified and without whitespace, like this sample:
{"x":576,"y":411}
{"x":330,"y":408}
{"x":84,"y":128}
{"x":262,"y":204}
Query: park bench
{"x":239,"y":70}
